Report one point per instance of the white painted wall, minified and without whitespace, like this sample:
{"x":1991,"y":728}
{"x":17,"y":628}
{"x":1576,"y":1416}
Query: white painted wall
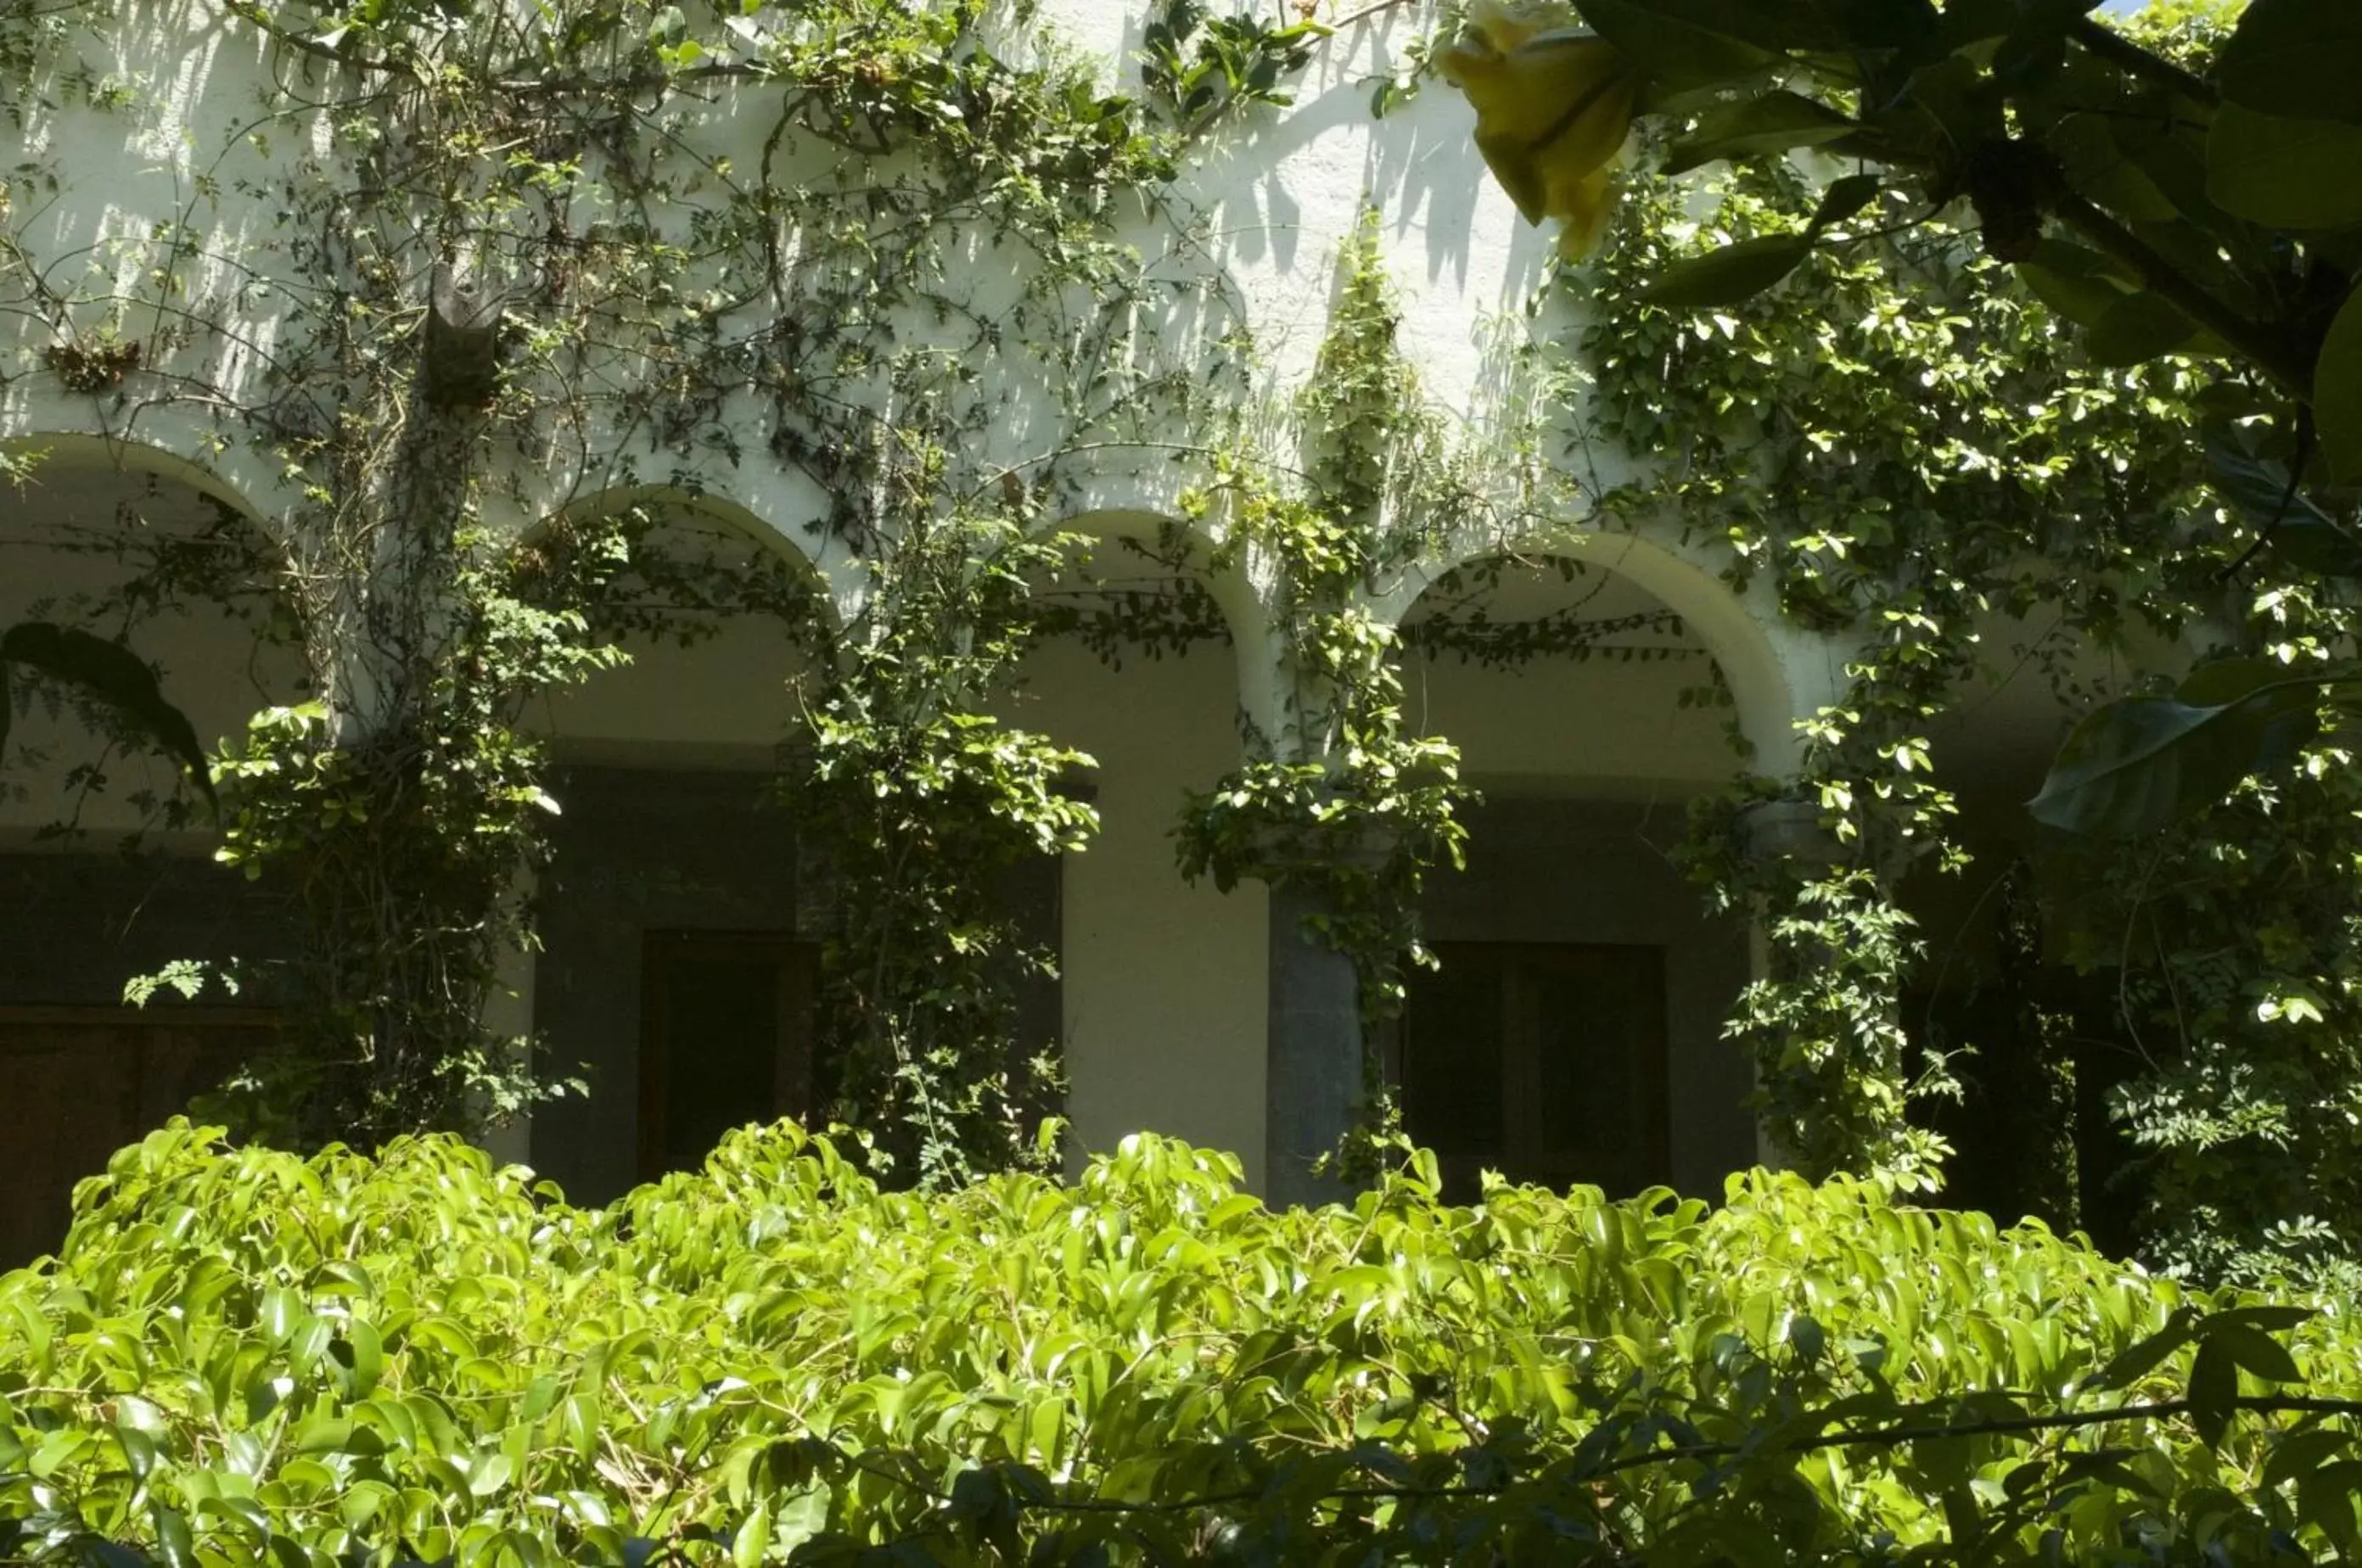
{"x":1165,"y":984}
{"x":215,"y":669}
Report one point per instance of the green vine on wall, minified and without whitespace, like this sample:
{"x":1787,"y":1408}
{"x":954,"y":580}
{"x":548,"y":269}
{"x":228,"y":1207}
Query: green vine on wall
{"x":621,"y":296}
{"x":1916,"y":457}
{"x":1345,"y":801}
{"x":920,"y":802}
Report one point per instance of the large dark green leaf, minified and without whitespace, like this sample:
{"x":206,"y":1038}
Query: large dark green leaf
{"x":2337,"y":391}
{"x":2164,"y":137}
{"x":2296,"y":57}
{"x":1770,"y":122}
{"x":2097,"y":165}
{"x":2213,"y":1390}
{"x":113,"y":674}
{"x":2075,"y":282}
{"x":2285,"y":172}
{"x":1735,"y":272}
{"x":2136,"y":1361}
{"x":2258,"y":1352}
{"x":2035,"y":46}
{"x":2135,"y":765}
{"x":1679,"y":55}
{"x":2259,"y":490}
{"x":1947,"y":105}
{"x":1844,"y":198}
{"x":2138,"y":327}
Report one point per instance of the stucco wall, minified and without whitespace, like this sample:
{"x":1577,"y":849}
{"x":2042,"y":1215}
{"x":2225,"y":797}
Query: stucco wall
{"x":1164,"y":1002}
{"x":55,"y":537}
{"x":1165,"y":983}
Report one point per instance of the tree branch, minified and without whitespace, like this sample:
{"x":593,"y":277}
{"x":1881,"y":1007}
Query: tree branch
{"x":2267,"y":350}
{"x":2121,"y":51}
{"x":1845,"y":1437}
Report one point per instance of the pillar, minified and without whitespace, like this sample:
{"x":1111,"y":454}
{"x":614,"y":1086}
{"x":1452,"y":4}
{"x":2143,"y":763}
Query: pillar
{"x":1312,"y":1081}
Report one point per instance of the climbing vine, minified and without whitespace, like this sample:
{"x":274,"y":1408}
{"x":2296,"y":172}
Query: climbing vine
{"x":1915,"y":456}
{"x":504,"y":257}
{"x":1884,"y":454}
{"x":921,"y":800}
{"x":1344,"y":800}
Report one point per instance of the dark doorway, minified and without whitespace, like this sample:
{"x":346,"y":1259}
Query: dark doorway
{"x":726,"y":1031}
{"x":77,"y":1083}
{"x":1544,"y":1061}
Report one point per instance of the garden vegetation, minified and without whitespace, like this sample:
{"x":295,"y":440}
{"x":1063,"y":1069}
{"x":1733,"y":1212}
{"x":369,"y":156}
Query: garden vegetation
{"x":242,"y":1356}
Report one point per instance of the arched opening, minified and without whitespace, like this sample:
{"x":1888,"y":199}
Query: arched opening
{"x":2032,"y":1028}
{"x":106,"y":870}
{"x":678,"y":926}
{"x":1163,"y":1003}
{"x":1572,"y":1030}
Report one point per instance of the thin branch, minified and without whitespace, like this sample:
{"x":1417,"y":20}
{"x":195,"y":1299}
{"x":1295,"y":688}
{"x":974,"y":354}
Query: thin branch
{"x":1847,"y":1437}
{"x":2119,"y":50}
{"x":2266,"y":349}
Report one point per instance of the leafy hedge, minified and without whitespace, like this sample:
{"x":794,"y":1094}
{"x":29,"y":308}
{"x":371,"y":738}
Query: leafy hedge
{"x":242,"y":1356}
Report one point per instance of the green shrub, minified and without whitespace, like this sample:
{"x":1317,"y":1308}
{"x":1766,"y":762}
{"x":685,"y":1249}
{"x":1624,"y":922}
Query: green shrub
{"x":241,"y":1355}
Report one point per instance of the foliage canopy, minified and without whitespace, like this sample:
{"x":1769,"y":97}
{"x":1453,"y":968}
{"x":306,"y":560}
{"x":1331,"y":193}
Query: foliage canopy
{"x":244,"y":1356}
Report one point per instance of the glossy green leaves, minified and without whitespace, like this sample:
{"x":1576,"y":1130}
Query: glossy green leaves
{"x":2337,"y":393}
{"x":2296,"y":57}
{"x":771,"y":1361}
{"x":2132,"y":766}
{"x":2282,"y":171}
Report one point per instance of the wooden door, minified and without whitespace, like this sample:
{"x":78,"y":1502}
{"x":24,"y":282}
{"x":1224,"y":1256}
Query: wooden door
{"x":726,"y":1029}
{"x":77,"y":1083}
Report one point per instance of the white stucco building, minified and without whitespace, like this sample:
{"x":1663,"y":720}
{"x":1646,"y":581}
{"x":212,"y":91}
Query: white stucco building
{"x":1574,"y":1030}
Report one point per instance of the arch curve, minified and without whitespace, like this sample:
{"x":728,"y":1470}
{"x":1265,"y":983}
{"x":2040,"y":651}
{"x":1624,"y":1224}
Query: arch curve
{"x":1777,"y":674}
{"x":840,"y":578}
{"x":229,"y":475}
{"x":1254,"y":641}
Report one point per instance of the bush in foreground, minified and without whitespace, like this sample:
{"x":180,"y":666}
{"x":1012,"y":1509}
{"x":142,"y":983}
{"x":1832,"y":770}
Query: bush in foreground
{"x":243,"y":1356}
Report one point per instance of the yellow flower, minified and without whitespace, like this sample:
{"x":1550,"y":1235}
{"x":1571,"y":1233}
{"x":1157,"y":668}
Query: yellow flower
{"x":1554,"y":106}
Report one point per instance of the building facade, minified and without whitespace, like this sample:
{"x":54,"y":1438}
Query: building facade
{"x":1575,"y":1028}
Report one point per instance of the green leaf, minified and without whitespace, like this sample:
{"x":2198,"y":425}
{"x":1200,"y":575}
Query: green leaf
{"x":2298,"y":1453}
{"x":2073,"y":281}
{"x":1770,"y":122}
{"x":2138,"y":327}
{"x":1844,"y":198}
{"x":2096,"y":165}
{"x":1726,"y":275}
{"x":2258,"y":488}
{"x":753,"y":1537}
{"x":2337,"y":393}
{"x":2213,"y":1390}
{"x":2296,"y":57}
{"x":2285,"y":172}
{"x":2132,"y":766}
{"x":2270,"y":1319}
{"x":324,"y":1433}
{"x":2142,"y":1357}
{"x":1679,"y":55}
{"x":2255,"y":1350}
{"x":174,"y":1541}
{"x":369,"y":1358}
{"x":114,"y":675}
{"x":2325,"y":1500}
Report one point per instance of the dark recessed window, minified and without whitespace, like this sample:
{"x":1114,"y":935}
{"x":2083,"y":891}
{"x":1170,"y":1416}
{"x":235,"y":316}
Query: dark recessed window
{"x":726,"y":1029}
{"x":1544,"y":1061}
